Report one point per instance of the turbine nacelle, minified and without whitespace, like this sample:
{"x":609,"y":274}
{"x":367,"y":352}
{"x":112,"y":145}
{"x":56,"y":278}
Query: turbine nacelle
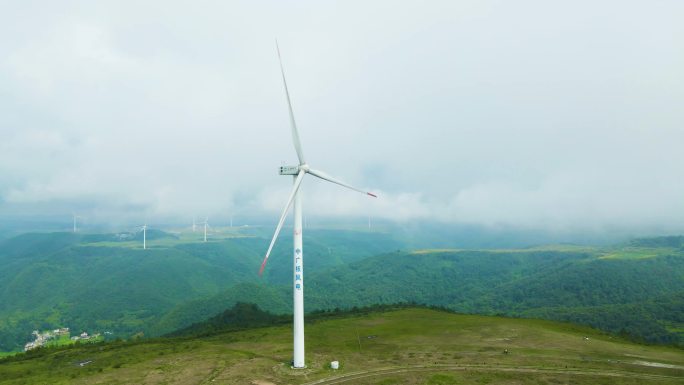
{"x":289,"y":170}
{"x":294,"y":170}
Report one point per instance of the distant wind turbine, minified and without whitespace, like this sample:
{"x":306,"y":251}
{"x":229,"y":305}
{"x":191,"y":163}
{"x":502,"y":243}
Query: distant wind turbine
{"x":75,"y":217}
{"x":206,"y":225}
{"x":298,"y":172}
{"x":143,"y":228}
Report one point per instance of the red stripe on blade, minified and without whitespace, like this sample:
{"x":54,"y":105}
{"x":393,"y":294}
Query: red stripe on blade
{"x":373,"y":195}
{"x":263,"y":265}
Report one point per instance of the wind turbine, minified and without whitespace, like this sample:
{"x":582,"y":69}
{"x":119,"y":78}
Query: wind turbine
{"x":75,"y":218}
{"x":194,"y":226}
{"x":206,"y":224}
{"x":143,"y":228}
{"x":298,"y":173}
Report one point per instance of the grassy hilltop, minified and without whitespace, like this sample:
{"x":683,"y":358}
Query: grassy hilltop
{"x":406,"y":346}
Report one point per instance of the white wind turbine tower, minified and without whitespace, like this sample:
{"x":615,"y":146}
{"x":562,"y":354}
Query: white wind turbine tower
{"x":143,"y":228}
{"x":206,"y":224}
{"x":75,"y":217}
{"x":298,"y":172}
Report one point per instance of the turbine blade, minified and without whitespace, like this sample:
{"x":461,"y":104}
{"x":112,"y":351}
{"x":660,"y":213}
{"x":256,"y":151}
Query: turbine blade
{"x":295,"y":134}
{"x":327,"y":177}
{"x":295,"y":188}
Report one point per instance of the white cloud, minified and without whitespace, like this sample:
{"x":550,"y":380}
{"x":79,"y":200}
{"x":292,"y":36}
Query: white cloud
{"x":528,"y":113}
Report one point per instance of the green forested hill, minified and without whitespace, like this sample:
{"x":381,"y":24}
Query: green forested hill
{"x":643,"y":298}
{"x":640,"y":297}
{"x":659,"y":319}
{"x":106,"y":282}
{"x":102,"y":283}
{"x":477,"y":281}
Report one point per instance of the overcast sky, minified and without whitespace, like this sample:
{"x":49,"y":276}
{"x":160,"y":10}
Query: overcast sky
{"x":524,"y":113}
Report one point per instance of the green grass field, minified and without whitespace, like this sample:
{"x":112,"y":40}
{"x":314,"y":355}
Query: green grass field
{"x":63,"y":340}
{"x":180,"y":237}
{"x":410,"y":346}
{"x":638,"y":253}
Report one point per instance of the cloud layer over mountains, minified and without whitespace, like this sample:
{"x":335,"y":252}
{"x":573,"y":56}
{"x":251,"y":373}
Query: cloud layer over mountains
{"x":527,"y":113}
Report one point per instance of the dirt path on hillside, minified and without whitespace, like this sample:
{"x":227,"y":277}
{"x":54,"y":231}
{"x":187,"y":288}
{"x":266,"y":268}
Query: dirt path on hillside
{"x":520,"y":369}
